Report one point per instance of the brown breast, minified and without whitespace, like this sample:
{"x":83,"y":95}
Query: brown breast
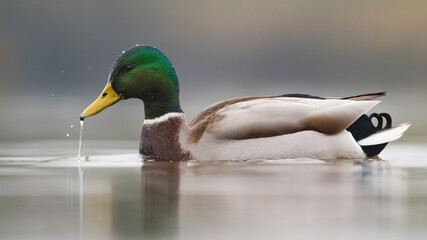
{"x":160,"y":140}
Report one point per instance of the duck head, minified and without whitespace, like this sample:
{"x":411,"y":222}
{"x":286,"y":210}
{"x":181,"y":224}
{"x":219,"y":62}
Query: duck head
{"x":145,"y":73}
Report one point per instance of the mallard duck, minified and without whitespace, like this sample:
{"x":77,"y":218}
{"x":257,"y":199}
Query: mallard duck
{"x":268,"y":127}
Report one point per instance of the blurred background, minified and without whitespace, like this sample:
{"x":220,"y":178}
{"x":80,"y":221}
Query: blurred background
{"x":55,"y":57}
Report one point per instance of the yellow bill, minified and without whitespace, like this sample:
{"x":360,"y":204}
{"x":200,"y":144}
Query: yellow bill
{"x":107,"y":98}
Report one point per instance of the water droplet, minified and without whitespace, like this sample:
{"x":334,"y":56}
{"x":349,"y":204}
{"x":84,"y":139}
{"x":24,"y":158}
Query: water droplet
{"x":136,"y":45}
{"x":123,"y":51}
{"x":62,"y":71}
{"x":89,"y":67}
{"x":71,"y":126}
{"x":53,"y":95}
{"x":68,"y":134}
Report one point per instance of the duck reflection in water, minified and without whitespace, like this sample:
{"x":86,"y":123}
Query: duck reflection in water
{"x":160,"y":198}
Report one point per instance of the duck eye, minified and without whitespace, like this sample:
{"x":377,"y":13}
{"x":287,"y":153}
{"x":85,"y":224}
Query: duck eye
{"x":128,"y":68}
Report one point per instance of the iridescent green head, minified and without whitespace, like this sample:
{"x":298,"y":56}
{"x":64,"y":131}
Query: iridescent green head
{"x":145,"y":73}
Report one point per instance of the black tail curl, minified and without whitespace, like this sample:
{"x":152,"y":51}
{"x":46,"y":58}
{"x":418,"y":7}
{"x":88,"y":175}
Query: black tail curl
{"x":364,"y":127}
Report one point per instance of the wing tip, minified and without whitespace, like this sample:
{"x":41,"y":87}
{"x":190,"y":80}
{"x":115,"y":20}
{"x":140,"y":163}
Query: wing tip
{"x":367,"y":96}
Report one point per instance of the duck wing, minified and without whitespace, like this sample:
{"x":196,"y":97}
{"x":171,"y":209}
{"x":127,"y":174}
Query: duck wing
{"x":254,"y":117}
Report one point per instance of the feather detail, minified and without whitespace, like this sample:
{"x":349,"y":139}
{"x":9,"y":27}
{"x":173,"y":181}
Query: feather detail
{"x":385,"y":136}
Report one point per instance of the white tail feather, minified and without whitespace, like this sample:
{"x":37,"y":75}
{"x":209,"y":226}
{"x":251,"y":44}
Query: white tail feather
{"x":385,"y":136}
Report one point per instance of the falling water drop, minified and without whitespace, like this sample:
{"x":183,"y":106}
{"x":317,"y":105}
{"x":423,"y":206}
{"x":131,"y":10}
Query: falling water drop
{"x":68,"y":134}
{"x":80,"y":140}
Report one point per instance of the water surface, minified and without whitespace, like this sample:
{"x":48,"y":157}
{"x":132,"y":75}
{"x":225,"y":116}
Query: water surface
{"x":46,"y":194}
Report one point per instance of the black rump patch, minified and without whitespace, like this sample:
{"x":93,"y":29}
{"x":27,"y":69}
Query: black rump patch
{"x":364,"y":127}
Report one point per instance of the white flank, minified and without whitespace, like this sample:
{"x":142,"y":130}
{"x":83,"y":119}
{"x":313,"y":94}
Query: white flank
{"x":385,"y":136}
{"x":163,"y":118}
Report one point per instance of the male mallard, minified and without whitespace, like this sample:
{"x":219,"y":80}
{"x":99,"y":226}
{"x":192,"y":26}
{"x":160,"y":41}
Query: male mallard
{"x":271,"y":127}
